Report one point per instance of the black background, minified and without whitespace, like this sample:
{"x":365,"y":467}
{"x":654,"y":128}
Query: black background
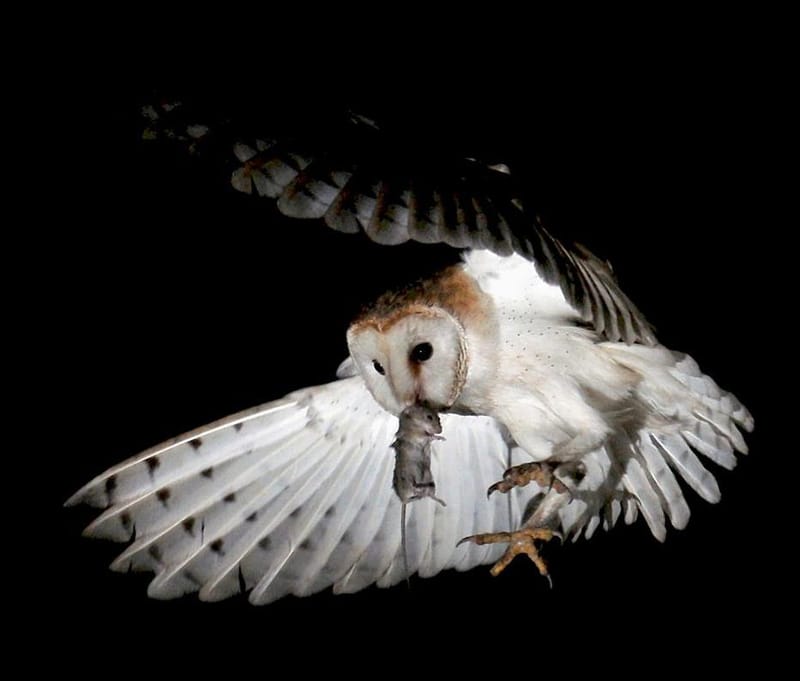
{"x":177,"y":301}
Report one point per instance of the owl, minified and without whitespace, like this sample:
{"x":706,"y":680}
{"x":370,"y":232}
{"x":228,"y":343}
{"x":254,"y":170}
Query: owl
{"x":559,"y":410}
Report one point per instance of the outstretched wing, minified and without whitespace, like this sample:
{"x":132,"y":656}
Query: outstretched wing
{"x":295,"y":496}
{"x":357,"y":180}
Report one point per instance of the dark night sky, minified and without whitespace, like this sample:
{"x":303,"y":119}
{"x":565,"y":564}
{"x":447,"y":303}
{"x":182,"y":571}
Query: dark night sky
{"x":179,"y":301}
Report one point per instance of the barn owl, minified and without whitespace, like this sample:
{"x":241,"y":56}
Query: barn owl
{"x":554,"y":395}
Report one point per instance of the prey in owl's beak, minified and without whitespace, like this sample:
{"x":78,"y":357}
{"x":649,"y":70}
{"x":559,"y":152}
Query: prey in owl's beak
{"x":419,"y":426}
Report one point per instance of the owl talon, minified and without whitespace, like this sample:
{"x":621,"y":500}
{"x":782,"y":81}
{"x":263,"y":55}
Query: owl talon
{"x":519,"y":476}
{"x":521,"y":541}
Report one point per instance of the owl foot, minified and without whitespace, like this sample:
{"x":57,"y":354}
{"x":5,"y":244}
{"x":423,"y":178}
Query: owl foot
{"x":521,"y":541}
{"x":519,"y":476}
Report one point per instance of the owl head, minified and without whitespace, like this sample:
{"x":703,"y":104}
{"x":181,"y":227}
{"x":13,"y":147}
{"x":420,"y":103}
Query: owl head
{"x":417,"y":354}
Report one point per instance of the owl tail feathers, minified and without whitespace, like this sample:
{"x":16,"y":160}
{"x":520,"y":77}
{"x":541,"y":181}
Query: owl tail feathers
{"x":687,"y":419}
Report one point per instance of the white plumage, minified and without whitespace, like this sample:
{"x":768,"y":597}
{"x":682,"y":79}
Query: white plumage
{"x":295,"y":496}
{"x":529,"y":349}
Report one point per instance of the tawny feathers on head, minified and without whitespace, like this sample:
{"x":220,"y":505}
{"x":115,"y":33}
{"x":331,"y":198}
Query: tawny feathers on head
{"x":452,"y":290}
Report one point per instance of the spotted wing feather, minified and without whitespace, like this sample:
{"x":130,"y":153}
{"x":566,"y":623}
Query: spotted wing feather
{"x":296,"y":496}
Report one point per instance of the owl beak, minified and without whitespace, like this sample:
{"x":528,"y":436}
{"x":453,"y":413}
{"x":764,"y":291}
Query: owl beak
{"x":428,"y":404}
{"x":415,"y":397}
{"x":406,"y":401}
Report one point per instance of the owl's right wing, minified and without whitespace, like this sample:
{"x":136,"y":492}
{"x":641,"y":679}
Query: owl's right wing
{"x":295,"y":496}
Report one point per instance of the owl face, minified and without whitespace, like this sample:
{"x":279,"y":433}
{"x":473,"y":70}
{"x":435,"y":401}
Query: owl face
{"x":417,"y":355}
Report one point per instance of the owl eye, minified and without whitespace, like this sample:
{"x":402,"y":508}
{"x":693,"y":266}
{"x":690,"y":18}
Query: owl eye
{"x":422,"y":352}
{"x":378,"y":367}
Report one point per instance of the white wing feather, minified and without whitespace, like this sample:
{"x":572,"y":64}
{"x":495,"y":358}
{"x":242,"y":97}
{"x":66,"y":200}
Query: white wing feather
{"x":296,"y":496}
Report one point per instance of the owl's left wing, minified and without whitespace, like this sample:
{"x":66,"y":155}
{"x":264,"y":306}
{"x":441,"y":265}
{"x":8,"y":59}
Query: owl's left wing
{"x":296,"y":495}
